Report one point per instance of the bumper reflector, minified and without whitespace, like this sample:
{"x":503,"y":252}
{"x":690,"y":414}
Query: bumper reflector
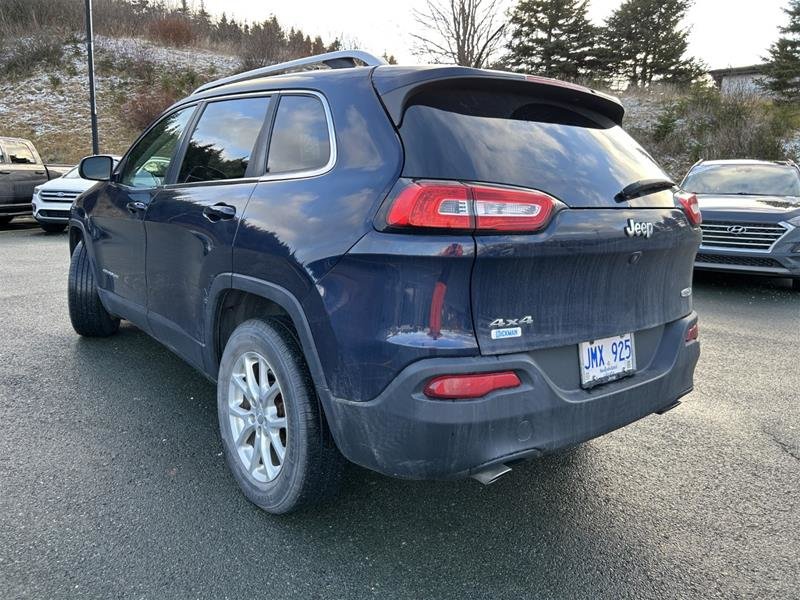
{"x":693,"y":332}
{"x":477,"y":385}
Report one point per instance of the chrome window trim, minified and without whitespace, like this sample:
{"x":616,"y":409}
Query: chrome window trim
{"x":210,"y":182}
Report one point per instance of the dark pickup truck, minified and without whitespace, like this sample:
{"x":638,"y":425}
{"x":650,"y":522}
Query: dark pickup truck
{"x":21,"y":169}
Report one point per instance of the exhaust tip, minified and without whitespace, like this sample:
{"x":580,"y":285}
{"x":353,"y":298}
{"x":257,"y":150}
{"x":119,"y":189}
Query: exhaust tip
{"x":491,"y":474}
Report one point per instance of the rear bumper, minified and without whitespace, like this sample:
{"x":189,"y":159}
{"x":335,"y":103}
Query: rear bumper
{"x":402,"y":433}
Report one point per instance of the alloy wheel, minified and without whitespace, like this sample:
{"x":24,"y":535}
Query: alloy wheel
{"x":257,"y":417}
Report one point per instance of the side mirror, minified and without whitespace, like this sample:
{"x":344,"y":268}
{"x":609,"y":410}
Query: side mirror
{"x":96,"y":168}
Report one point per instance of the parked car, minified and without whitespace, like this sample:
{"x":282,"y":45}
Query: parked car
{"x":53,"y":199}
{"x":21,"y":170}
{"x":751,"y":216}
{"x":432,"y":271}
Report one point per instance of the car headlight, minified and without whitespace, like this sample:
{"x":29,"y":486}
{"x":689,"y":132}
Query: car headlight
{"x":36,"y":190}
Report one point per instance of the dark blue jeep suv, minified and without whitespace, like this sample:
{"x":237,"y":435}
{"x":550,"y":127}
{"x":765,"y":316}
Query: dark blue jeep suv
{"x":430,"y":271}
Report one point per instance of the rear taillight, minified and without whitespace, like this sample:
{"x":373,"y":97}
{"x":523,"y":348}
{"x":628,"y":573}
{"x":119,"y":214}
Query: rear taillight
{"x":443,"y":205}
{"x":502,"y":209}
{"x":452,"y":387}
{"x":691,"y":207}
{"x":693,"y":332}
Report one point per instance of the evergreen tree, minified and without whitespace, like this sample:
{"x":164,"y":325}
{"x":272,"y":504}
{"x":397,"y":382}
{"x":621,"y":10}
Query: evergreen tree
{"x":552,"y":38}
{"x":318,"y":46}
{"x":784,"y":58}
{"x":643,"y":42}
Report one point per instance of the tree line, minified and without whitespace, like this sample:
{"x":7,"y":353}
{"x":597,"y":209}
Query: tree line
{"x":180,"y":24}
{"x":641,"y":42}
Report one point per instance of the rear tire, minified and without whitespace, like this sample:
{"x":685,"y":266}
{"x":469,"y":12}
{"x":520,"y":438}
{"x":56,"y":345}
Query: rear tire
{"x":88,"y":315}
{"x":266,"y":402}
{"x":53,"y":227}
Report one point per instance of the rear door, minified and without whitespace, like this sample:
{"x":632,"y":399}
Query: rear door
{"x":601,"y":267}
{"x":191,"y":224}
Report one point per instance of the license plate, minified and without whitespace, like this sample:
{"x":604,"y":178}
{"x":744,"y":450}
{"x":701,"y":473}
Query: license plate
{"x":607,"y":359}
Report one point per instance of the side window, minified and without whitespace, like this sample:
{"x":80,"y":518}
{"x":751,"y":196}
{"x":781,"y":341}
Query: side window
{"x":20,"y":153}
{"x":300,"y":138}
{"x":149,"y":160}
{"x":223,"y":141}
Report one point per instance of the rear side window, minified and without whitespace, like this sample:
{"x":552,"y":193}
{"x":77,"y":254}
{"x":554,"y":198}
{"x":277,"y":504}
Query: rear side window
{"x":578,"y":156}
{"x":223,"y":141}
{"x":300,"y":137}
{"x":19,"y":153}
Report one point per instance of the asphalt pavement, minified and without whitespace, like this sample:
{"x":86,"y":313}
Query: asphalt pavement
{"x":112,"y":482}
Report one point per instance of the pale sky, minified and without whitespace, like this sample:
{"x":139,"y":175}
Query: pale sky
{"x":724,"y":32}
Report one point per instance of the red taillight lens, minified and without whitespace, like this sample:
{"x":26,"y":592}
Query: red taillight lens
{"x":443,"y":205}
{"x":691,"y":207}
{"x":693,"y":332}
{"x":451,"y":387}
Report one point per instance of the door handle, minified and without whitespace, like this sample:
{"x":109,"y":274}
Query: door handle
{"x":219,"y":212}
{"x":136,"y":207}
{"x":40,"y":172}
{"x":5,"y":172}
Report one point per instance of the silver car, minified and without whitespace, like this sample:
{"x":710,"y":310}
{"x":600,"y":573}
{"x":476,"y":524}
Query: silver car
{"x":751,"y":216}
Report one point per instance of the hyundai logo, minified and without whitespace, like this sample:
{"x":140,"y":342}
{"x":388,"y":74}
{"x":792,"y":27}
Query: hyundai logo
{"x":737,"y":229}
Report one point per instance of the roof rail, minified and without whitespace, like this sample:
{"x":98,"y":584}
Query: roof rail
{"x":341,"y":59}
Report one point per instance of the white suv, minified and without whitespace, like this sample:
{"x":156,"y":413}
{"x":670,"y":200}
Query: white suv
{"x":52,"y":200}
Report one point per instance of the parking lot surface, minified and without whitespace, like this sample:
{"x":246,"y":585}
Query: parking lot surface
{"x":112,"y":482}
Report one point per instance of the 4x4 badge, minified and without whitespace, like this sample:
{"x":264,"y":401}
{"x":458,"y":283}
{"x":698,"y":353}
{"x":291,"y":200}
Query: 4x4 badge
{"x":639,"y":229}
{"x":526,"y":320}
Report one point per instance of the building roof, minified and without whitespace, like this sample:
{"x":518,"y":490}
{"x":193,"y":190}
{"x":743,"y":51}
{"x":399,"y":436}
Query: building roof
{"x":718,"y":74}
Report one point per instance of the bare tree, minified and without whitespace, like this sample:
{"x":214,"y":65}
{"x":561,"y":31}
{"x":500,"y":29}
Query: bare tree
{"x":466,"y":32}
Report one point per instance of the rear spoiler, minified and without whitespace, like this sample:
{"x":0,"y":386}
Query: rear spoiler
{"x":397,"y":85}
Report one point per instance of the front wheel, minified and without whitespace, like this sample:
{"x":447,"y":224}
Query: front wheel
{"x":88,"y":315}
{"x":274,"y":435}
{"x":53,"y":227}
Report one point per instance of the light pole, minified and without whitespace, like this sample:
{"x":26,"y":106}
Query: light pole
{"x":90,"y":56}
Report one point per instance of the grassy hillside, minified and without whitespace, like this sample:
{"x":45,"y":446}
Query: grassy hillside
{"x":135,"y":80}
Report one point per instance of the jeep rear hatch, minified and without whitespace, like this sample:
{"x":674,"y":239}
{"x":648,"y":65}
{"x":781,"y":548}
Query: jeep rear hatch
{"x":612,"y":255}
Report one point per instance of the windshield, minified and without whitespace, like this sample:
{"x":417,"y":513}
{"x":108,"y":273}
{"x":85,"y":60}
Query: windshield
{"x":748,"y":180}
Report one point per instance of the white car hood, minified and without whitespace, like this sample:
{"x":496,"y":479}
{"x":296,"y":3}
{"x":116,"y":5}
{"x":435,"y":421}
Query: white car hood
{"x":73,"y":184}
